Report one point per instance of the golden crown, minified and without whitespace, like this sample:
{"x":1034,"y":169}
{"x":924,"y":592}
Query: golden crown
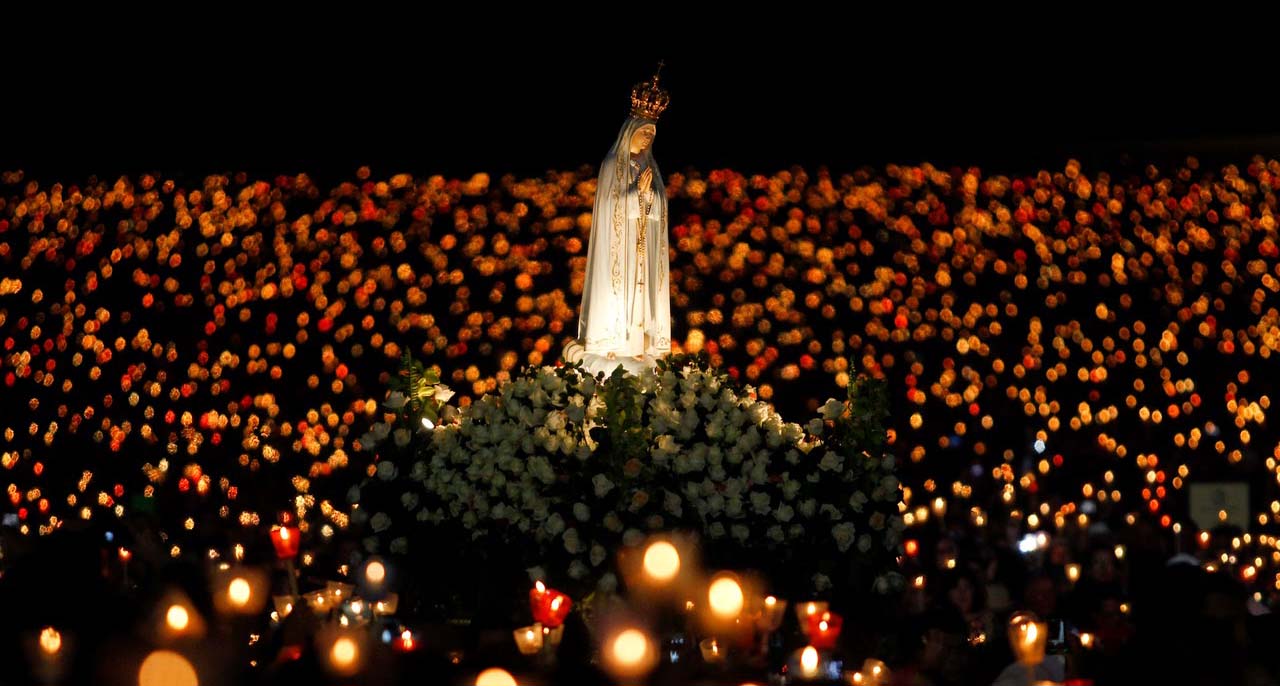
{"x":647,"y":99}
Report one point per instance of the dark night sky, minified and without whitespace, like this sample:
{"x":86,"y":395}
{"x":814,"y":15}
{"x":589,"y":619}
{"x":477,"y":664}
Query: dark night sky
{"x":405,"y":95}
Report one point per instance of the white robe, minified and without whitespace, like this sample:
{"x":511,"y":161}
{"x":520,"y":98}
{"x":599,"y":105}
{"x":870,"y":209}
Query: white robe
{"x":626,"y":298}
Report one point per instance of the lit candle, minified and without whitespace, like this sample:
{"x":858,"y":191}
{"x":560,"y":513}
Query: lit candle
{"x":239,"y":592}
{"x":874,"y":672}
{"x":387,"y":605}
{"x":529,"y":639}
{"x":661,"y":562}
{"x":824,"y":629}
{"x":125,"y":556}
{"x":710,"y":649}
{"x":1027,"y":637}
{"x":806,"y":610}
{"x":177,"y":618}
{"x":1086,"y":640}
{"x":809,"y":662}
{"x":285,"y":539}
{"x":50,"y":641}
{"x":549,"y":606}
{"x":283,"y":605}
{"x":405,"y":642}
{"x":772,"y":614}
{"x":1073,"y":572}
{"x":375,"y":573}
{"x":630,"y":654}
{"x":344,"y":656}
{"x":495,"y":676}
{"x":725,"y":598}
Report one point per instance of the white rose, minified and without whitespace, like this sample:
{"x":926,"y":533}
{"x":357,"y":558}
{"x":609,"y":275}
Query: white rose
{"x":716,"y":530}
{"x":632,"y":537}
{"x":877,"y":521}
{"x":353,"y":494}
{"x":555,"y":421}
{"x":815,"y":426}
{"x":380,"y":522}
{"x":857,"y":500}
{"x":443,"y":393}
{"x":807,"y":507}
{"x":830,"y":461}
{"x":821,"y":582}
{"x":554,"y":524}
{"x":843,"y":533}
{"x":715,"y":503}
{"x":760,"y":503}
{"x":776,"y":534}
{"x":572,"y":543}
{"x":672,"y":504}
{"x":790,"y":489}
{"x":399,"y":545}
{"x":608,"y":583}
{"x":733,"y":507}
{"x":864,"y":543}
{"x":832,"y":409}
{"x":387,"y":470}
{"x":740,"y":532}
{"x":581,"y":512}
{"x":784,"y":513}
{"x":402,"y":437}
{"x":409,"y":500}
{"x":612,"y":523}
{"x":577,"y":570}
{"x":598,"y":554}
{"x":396,"y":400}
{"x":602,"y":485}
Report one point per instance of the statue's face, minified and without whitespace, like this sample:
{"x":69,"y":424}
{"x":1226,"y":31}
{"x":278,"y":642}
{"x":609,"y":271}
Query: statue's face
{"x":643,"y":138}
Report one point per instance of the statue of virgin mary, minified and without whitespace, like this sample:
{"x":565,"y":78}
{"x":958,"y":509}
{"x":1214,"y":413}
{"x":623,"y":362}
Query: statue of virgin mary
{"x":626,"y":300}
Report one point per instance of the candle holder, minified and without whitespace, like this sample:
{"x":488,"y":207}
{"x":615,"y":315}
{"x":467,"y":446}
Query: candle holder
{"x":1027,"y":637}
{"x":549,"y":606}
{"x":824,"y":629}
{"x":808,"y":609}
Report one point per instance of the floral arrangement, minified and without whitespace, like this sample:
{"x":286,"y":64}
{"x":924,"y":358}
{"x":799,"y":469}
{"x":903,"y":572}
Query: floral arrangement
{"x":568,"y":469}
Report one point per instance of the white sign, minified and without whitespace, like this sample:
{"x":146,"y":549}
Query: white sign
{"x":1210,"y":500}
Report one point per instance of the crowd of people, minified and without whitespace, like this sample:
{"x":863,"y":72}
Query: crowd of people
{"x":1066,"y":350}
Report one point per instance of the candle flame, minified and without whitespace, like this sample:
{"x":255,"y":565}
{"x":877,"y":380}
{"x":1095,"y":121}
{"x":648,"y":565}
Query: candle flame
{"x":50,"y":640}
{"x":239,"y":592}
{"x":809,"y":661}
{"x":177,"y":617}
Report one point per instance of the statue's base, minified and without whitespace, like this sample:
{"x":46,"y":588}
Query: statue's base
{"x":595,"y":364}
